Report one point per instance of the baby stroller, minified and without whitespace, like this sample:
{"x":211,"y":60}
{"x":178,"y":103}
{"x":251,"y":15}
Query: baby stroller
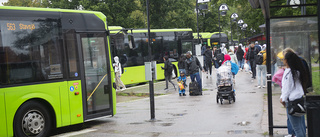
{"x":225,"y":84}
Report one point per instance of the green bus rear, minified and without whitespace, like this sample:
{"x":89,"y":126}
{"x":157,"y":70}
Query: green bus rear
{"x":55,"y":69}
{"x":210,"y":38}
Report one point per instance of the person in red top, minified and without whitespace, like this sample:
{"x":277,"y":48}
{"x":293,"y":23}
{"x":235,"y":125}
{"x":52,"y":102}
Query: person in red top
{"x":244,"y":56}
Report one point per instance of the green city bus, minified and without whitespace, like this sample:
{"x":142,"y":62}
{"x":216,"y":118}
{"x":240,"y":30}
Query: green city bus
{"x":210,"y":39}
{"x":132,"y":55}
{"x":55,"y":69}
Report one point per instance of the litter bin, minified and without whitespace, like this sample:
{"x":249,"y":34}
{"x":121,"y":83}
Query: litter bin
{"x":313,"y":115}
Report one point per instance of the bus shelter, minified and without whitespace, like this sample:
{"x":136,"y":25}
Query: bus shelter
{"x":292,"y":24}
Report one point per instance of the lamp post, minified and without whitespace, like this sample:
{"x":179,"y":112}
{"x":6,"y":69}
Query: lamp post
{"x":223,"y":8}
{"x":233,"y":17}
{"x":240,"y":22}
{"x":244,"y":28}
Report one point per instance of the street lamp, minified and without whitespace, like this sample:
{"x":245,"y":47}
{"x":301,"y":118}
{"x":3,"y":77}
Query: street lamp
{"x":234,"y":17}
{"x":240,"y":22}
{"x":223,"y":8}
{"x":244,"y":28}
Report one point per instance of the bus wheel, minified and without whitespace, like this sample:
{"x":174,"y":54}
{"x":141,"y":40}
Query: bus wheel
{"x":32,"y":119}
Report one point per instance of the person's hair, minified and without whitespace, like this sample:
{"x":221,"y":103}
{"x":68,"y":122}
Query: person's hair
{"x":286,"y":50}
{"x":296,"y":66}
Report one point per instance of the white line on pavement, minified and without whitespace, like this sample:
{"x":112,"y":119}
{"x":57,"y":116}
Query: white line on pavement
{"x":77,"y":133}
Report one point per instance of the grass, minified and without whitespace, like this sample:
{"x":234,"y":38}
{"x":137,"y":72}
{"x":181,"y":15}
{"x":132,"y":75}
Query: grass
{"x":316,"y":80}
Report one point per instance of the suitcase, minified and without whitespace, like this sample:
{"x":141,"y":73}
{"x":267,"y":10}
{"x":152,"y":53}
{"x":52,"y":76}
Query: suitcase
{"x":194,"y":89}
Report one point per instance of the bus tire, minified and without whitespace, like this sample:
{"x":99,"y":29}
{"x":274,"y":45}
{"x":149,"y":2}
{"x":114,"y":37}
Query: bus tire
{"x":32,"y":119}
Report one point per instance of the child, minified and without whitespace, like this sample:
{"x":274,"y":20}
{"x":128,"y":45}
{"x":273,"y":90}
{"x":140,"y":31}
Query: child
{"x":182,"y":83}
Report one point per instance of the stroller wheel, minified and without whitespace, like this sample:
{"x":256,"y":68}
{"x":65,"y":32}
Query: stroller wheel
{"x":221,"y":101}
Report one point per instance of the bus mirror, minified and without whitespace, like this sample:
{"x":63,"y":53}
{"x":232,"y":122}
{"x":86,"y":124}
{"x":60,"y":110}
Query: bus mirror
{"x":131,"y":42}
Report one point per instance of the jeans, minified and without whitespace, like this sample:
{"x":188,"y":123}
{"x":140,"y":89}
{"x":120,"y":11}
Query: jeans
{"x":197,"y":76}
{"x":262,"y":72}
{"x":253,"y":67}
{"x":216,"y":64}
{"x":241,"y":63}
{"x":297,"y":123}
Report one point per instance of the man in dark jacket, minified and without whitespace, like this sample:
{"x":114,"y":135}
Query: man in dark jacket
{"x":251,"y":56}
{"x":168,"y":71}
{"x":208,"y":61}
{"x":193,"y":66}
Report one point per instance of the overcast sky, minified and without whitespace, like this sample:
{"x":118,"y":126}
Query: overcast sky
{"x":3,"y":1}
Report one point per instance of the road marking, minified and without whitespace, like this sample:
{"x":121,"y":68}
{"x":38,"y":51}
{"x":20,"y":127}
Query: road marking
{"x":77,"y":133}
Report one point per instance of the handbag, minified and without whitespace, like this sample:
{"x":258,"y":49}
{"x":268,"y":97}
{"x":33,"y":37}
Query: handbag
{"x":296,"y":107}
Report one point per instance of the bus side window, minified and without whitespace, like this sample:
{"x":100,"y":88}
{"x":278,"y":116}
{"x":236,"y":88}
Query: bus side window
{"x":73,"y":60}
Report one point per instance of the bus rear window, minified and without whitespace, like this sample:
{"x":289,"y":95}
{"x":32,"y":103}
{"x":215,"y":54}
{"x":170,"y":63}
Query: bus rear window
{"x":29,"y":51}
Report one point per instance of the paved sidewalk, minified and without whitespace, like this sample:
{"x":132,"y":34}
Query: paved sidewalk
{"x":279,"y":113}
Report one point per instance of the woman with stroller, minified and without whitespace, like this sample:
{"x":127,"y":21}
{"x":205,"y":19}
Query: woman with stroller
{"x":234,"y":66}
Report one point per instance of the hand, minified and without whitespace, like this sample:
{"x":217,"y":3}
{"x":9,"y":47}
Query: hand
{"x":283,"y":103}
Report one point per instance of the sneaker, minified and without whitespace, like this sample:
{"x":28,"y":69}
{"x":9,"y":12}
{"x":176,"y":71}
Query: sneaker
{"x":289,"y":135}
{"x":263,"y":86}
{"x":259,"y":86}
{"x":123,"y":89}
{"x":165,"y":89}
{"x":184,"y":94}
{"x":179,"y":94}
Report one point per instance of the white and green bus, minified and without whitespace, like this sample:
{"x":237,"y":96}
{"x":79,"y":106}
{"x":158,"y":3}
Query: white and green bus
{"x":210,"y":38}
{"x":164,"y":42}
{"x":55,"y":69}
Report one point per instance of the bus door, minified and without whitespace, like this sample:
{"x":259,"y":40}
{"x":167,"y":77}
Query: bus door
{"x":95,"y":75}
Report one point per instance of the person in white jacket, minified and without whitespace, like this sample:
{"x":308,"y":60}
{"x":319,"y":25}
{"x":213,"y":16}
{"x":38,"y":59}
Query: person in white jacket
{"x":118,"y":72}
{"x":233,"y":56}
{"x":223,"y":49}
{"x":294,"y":83}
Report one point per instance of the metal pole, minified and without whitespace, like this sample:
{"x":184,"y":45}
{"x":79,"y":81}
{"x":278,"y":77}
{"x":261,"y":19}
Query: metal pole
{"x":197,"y":21}
{"x":151,"y":89}
{"x":219,"y":29}
{"x":270,"y":117}
{"x":231,"y":31}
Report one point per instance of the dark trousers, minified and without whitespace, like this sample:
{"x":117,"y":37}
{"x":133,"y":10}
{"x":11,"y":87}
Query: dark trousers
{"x":168,"y":79}
{"x":253,"y":68}
{"x":209,"y":66}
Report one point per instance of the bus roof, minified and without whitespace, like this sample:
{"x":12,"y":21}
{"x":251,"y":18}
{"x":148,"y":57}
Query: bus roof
{"x":161,"y":30}
{"x":98,"y":14}
{"x":205,"y":35}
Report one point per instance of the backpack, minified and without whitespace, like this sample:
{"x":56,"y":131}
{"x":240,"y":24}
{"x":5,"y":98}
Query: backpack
{"x":122,"y":69}
{"x":220,"y":57}
{"x":259,"y":59}
{"x":170,"y":67}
